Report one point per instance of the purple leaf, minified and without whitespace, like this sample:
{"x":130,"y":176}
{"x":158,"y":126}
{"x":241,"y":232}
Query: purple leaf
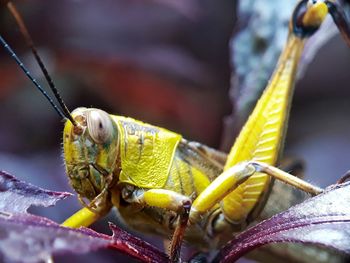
{"x":30,"y":238}
{"x":133,"y":246}
{"x":17,"y":196}
{"x":322,"y":220}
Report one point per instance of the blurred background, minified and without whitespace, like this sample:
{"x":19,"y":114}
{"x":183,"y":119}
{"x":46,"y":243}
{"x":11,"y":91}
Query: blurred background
{"x":194,"y":67}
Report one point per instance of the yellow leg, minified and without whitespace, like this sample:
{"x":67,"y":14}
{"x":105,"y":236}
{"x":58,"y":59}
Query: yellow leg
{"x":175,"y":202}
{"x":92,"y":212}
{"x":84,"y":217}
{"x":219,"y":188}
{"x":233,"y":177}
{"x":99,"y":207}
{"x":287,"y":178}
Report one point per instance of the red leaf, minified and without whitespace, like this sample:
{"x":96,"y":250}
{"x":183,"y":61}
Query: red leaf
{"x":322,"y":220}
{"x":17,"y":196}
{"x":29,"y":238}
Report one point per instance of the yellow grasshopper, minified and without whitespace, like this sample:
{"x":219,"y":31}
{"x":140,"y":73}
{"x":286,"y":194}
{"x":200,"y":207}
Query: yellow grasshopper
{"x":162,"y":183}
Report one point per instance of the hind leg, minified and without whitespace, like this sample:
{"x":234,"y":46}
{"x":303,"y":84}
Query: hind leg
{"x":233,"y":177}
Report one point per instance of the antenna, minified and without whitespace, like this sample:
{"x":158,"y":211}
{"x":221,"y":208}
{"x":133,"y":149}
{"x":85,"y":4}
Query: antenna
{"x":26,"y":71}
{"x":66,"y":113}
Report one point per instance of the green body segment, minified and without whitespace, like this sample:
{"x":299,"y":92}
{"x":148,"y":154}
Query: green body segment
{"x":262,"y":137}
{"x":146,"y":152}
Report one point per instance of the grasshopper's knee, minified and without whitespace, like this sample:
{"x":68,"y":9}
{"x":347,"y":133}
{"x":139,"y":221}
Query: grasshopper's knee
{"x":224,"y":184}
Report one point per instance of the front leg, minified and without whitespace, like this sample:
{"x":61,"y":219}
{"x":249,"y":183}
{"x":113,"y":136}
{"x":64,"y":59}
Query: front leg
{"x":160,"y":198}
{"x":98,"y":208}
{"x":175,"y":202}
{"x":167,"y":200}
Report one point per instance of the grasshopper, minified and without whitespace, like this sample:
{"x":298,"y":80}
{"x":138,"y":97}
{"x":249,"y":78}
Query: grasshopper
{"x":162,"y":183}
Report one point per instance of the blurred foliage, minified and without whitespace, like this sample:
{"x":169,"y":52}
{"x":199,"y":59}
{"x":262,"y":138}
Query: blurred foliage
{"x":162,"y":63}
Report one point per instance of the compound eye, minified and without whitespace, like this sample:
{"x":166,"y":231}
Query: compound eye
{"x":99,"y":126}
